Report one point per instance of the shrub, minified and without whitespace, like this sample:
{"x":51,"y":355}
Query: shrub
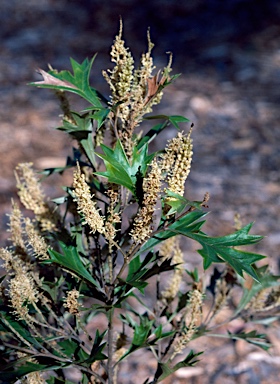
{"x":109,"y":248}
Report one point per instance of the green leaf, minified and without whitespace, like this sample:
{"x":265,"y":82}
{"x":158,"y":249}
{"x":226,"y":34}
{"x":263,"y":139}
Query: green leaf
{"x":100,"y":116}
{"x":165,"y":369}
{"x":125,"y":289}
{"x":59,"y":200}
{"x":17,"y":327}
{"x":77,"y":235}
{"x":133,"y":267}
{"x":119,"y":170}
{"x":140,"y":160}
{"x":72,"y":348}
{"x":29,"y":367}
{"x":194,"y":275}
{"x":81,"y":130}
{"x":71,"y":260}
{"x":158,"y":268}
{"x":98,"y":346}
{"x":140,"y":271}
{"x":258,"y":339}
{"x":78,"y":82}
{"x":238,"y":238}
{"x":78,"y":127}
{"x":127,"y":319}
{"x":117,"y":166}
{"x":90,"y":291}
{"x":214,"y":249}
{"x":179,"y":203}
{"x":159,"y":334}
{"x":141,"y":332}
{"x":136,"y":267}
{"x":158,"y":331}
{"x":53,"y":287}
{"x":189,"y":221}
{"x":68,"y":346}
{"x":219,"y":249}
{"x":239,"y":260}
{"x":87,"y":145}
{"x":152,"y":133}
{"x":173,"y":119}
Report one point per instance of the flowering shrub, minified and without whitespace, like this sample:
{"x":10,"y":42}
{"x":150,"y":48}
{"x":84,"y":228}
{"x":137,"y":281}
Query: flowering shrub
{"x":94,"y":251}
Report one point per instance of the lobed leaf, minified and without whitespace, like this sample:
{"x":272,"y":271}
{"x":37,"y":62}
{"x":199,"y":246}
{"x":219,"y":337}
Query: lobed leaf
{"x":219,"y":249}
{"x":258,"y":339}
{"x":71,"y":260}
{"x":119,"y":170}
{"x":152,"y":134}
{"x":173,"y":119}
{"x":214,"y":249}
{"x":78,"y":82}
{"x":189,"y":221}
{"x":72,"y":348}
{"x":179,"y":203}
{"x":165,"y":369}
{"x":97,"y":347}
{"x":141,"y":332}
{"x":100,"y":116}
{"x":81,"y":130}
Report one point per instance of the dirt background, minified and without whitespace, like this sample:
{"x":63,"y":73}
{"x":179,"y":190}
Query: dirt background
{"x":229,"y":55}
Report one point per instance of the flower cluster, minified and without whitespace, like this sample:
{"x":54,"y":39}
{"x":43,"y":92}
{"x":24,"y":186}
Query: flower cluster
{"x":86,"y":206}
{"x":193,"y":317}
{"x":37,"y":242}
{"x":22,"y":290}
{"x":32,"y":196}
{"x":121,"y":77}
{"x":177,"y":162}
{"x":15,"y":227}
{"x":144,"y":218}
{"x":71,"y":302}
{"x":134,"y":92}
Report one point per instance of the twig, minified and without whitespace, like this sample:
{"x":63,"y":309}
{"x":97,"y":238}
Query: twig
{"x":110,"y":347}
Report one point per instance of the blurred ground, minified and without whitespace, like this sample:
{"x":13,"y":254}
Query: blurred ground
{"x":229,"y":56}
